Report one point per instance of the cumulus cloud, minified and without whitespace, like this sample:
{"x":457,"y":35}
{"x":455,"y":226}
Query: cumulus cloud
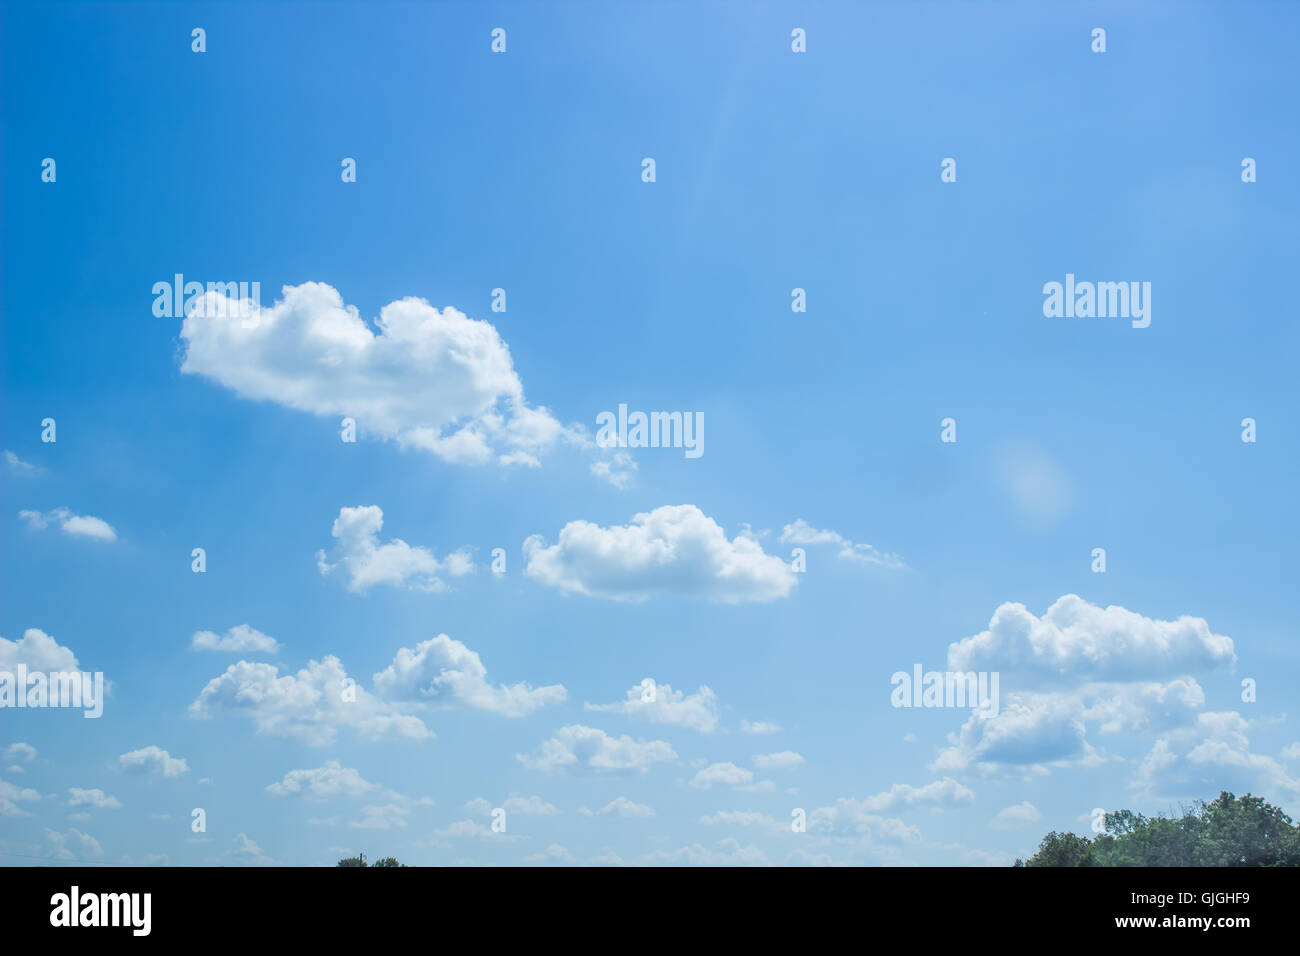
{"x":579,"y":748}
{"x":38,"y":652}
{"x":240,"y":639}
{"x":620,"y":807}
{"x":153,"y":760}
{"x":387,"y":816}
{"x":1212,"y":754}
{"x":660,"y":704}
{"x":20,"y":751}
{"x":901,"y":796}
{"x":674,"y":550}
{"x":1013,"y":817}
{"x":1076,"y":641}
{"x":785,"y":760}
{"x":726,"y":774}
{"x":74,"y":525}
{"x":364,"y":561}
{"x":248,"y":853}
{"x":73,"y":844}
{"x":803,"y":534}
{"x":1030,"y":730}
{"x":11,"y":795}
{"x":308,"y":707}
{"x":445,"y":672}
{"x":533,"y":806}
{"x":759,"y":727}
{"x":855,"y":818}
{"x":98,"y":799}
{"x":428,"y":379}
{"x":330,"y":780}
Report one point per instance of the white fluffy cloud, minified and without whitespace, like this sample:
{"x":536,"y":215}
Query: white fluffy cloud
{"x":1030,"y":730}
{"x":940,"y":793}
{"x":153,"y":760}
{"x":759,"y":727}
{"x":803,"y":534}
{"x":240,"y":639}
{"x":38,"y":651}
{"x":576,"y":748}
{"x":331,"y":780}
{"x":1077,"y":641}
{"x":533,"y":806}
{"x":98,"y":799}
{"x":1209,"y":755}
{"x":726,"y":774}
{"x":365,"y":561}
{"x":1020,"y":815}
{"x":308,"y":707}
{"x":20,"y":751}
{"x":74,"y":525}
{"x":673,"y":550}
{"x":785,"y":760}
{"x":660,"y":704}
{"x":445,"y":672}
{"x":429,"y":379}
{"x":855,"y":818}
{"x":11,"y":795}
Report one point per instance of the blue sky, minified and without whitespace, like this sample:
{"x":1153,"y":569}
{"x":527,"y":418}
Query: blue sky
{"x":774,"y":170}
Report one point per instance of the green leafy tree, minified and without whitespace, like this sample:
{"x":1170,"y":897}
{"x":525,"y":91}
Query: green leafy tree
{"x":1230,"y":831}
{"x":360,"y":860}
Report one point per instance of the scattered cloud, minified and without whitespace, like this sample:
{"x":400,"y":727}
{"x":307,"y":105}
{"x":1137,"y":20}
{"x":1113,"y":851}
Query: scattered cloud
{"x":240,"y":639}
{"x":74,"y":525}
{"x":365,"y":562}
{"x":674,"y":550}
{"x":660,"y":704}
{"x":444,"y":672}
{"x":579,"y":748}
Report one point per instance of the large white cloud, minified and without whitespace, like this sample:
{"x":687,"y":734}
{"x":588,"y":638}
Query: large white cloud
{"x":1077,"y":641}
{"x":673,"y":550}
{"x":576,"y":748}
{"x":430,"y":379}
{"x":1030,"y":730}
{"x":364,"y":561}
{"x":445,"y":672}
{"x":308,"y":707}
{"x":660,"y":704}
